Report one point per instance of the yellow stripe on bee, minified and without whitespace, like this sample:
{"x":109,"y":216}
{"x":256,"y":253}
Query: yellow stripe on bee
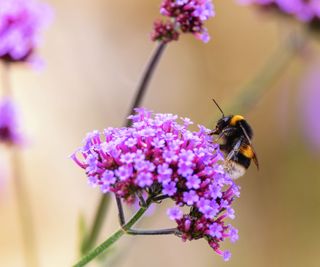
{"x":235,"y":119}
{"x":247,"y":151}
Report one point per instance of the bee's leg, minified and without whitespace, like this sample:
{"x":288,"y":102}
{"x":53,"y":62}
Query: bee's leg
{"x":223,"y":133}
{"x":234,"y":150}
{"x":218,"y":137}
{"x":170,"y":231}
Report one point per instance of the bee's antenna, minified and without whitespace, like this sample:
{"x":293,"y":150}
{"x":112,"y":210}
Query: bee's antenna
{"x":218,"y":106}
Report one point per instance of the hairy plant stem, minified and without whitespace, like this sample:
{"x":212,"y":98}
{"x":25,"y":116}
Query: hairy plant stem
{"x":89,"y":242}
{"x":21,"y":194}
{"x":113,"y":238}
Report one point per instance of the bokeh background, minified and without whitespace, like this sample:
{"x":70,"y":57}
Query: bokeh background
{"x":95,"y":52}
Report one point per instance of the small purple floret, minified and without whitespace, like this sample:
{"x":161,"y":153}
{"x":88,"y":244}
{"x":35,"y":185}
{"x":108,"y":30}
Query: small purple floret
{"x":226,"y":255}
{"x":169,"y":188}
{"x":175,"y":213}
{"x":144,"y":179}
{"x":193,"y":182}
{"x":190,"y":197}
{"x":215,"y":230}
{"x":234,"y":236}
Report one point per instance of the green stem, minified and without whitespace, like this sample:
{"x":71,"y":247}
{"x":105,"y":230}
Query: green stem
{"x":268,"y":75}
{"x":24,"y":211}
{"x":146,"y":78}
{"x":91,"y":239}
{"x":112,"y":239}
{"x":21,"y":194}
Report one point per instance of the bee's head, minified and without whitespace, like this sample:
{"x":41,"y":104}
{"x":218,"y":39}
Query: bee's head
{"x":222,"y":124}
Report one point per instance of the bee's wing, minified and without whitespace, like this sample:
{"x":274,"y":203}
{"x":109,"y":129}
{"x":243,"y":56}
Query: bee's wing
{"x":255,"y":158}
{"x":245,"y":134}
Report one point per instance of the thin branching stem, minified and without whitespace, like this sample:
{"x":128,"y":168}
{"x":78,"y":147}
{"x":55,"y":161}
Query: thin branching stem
{"x":170,"y":231}
{"x":160,"y":198}
{"x":122,"y":219}
{"x":146,"y":77}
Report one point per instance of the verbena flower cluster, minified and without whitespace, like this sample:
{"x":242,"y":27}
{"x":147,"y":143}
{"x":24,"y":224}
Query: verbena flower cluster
{"x":161,"y":157}
{"x":21,"y":22}
{"x":185,"y":16}
{"x":9,"y":123}
{"x":304,"y":10}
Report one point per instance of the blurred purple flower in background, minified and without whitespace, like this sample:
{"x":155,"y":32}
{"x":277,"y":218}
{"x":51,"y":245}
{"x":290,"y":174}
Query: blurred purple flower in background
{"x":21,"y":22}
{"x":9,"y":123}
{"x":303,"y":10}
{"x":186,"y":16}
{"x":310,"y":105}
{"x":164,"y":31}
{"x":160,"y":156}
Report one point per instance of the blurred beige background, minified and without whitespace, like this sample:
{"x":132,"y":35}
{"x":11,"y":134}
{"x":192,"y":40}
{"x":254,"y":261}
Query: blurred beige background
{"x":95,"y":52}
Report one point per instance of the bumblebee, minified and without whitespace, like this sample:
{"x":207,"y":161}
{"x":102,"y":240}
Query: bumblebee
{"x":234,"y":135}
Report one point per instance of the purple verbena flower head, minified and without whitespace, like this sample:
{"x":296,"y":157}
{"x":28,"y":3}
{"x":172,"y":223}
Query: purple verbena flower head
{"x":9,"y":123}
{"x":184,"y":16}
{"x":164,"y":31}
{"x":159,"y":156}
{"x":303,"y":10}
{"x":21,"y":23}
